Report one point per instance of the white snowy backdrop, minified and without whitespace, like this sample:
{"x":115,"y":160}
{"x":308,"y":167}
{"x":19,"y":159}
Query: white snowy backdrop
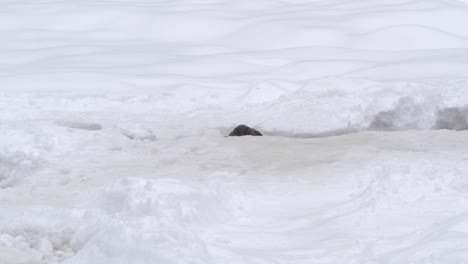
{"x":113,"y":116}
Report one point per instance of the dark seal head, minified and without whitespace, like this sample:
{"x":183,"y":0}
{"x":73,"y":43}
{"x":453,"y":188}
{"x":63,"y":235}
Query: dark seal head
{"x":243,"y":130}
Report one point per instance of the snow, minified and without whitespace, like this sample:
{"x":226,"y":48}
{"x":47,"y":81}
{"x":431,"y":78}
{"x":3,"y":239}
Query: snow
{"x":113,"y":117}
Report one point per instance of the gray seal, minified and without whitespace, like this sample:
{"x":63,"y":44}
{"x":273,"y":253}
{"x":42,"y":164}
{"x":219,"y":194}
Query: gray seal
{"x":243,"y":130}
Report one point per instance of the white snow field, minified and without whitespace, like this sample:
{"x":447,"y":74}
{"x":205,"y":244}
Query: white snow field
{"x":113,"y":117}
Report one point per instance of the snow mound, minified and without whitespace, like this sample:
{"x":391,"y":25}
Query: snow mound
{"x":161,"y":216}
{"x":35,"y":245}
{"x":407,"y":114}
{"x":137,"y":132}
{"x":14,"y":166}
{"x":453,"y":118}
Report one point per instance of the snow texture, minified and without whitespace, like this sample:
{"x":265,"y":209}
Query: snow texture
{"x":113,"y":117}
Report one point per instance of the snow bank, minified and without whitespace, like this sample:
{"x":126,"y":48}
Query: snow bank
{"x":143,"y":220}
{"x":35,"y":245}
{"x":20,"y":154}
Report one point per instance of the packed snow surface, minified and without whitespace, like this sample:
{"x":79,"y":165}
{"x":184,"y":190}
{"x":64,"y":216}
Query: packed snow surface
{"x":113,"y":117}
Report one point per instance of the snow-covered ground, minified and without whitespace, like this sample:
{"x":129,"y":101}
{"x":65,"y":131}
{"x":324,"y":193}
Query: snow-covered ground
{"x":113,"y":116}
